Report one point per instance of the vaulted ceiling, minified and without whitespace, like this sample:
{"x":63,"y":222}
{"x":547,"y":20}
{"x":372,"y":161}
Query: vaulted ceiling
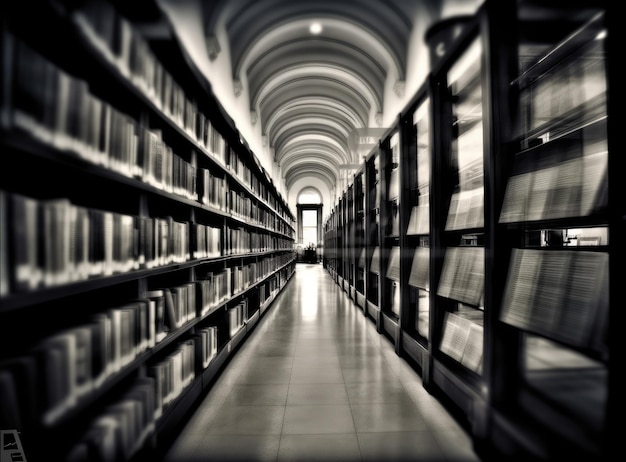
{"x":311,"y":90}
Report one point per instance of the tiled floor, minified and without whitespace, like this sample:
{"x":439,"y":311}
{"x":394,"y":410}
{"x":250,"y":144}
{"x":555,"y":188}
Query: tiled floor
{"x":314,"y":381}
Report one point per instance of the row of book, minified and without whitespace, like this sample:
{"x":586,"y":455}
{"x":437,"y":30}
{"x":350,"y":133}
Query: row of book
{"x":212,"y":189}
{"x":239,"y":169}
{"x":122,"y":428}
{"x":206,"y":345}
{"x":561,"y":294}
{"x":61,"y":111}
{"x":123,"y":46}
{"x":269,"y":289}
{"x":125,"y":424}
{"x":120,"y":43}
{"x":51,"y":242}
{"x":247,"y":275}
{"x":241,"y":206}
{"x":174,"y":372}
{"x":237,"y":316}
{"x":240,"y":241}
{"x":67,"y":366}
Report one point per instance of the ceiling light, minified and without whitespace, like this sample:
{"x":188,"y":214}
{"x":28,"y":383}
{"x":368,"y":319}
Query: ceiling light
{"x":315,"y":28}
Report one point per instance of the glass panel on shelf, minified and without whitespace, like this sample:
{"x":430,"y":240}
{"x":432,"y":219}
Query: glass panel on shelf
{"x":419,"y":225}
{"x":560,"y":169}
{"x":419,"y":220}
{"x":557,"y":288}
{"x":393,"y":187}
{"x":466,"y":204}
{"x":461,"y":284}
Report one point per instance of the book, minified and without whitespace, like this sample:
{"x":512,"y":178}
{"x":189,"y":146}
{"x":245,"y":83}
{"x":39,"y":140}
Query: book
{"x":454,"y":337}
{"x":375,"y":262}
{"x":171,"y":319}
{"x":420,"y":268}
{"x":514,"y":206}
{"x":583,"y":317}
{"x":419,"y":221}
{"x":462,"y":275}
{"x":56,"y":241}
{"x":394,"y":294}
{"x":57,"y":362}
{"x":559,"y":294}
{"x":26,"y":245}
{"x":127,"y":333}
{"x":31,"y":75}
{"x":79,"y":243}
{"x":473,"y":351}
{"x":83,"y":360}
{"x":5,"y":269}
{"x":10,"y":413}
{"x":422,"y":317}
{"x":393,"y":266}
{"x":102,"y":348}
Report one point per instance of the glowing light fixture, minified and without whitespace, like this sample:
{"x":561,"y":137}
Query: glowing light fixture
{"x":315,"y":28}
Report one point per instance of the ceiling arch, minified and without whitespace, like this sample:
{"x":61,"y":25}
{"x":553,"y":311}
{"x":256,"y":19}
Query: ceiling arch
{"x":312,"y":87}
{"x":309,"y":92}
{"x":382,"y":28}
{"x":324,"y":108}
{"x":324,"y":70}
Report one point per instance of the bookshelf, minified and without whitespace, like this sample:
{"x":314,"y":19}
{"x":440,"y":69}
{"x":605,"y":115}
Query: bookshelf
{"x":141,"y":238}
{"x":556,"y":297}
{"x":359,"y":238}
{"x":390,"y":293}
{"x":416,"y":240}
{"x":373,"y":258}
{"x":349,"y":239}
{"x":510,"y":214}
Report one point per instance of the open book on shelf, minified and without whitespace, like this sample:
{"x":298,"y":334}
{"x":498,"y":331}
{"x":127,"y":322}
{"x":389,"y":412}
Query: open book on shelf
{"x":462,"y":340}
{"x":561,"y":294}
{"x":463,"y":275}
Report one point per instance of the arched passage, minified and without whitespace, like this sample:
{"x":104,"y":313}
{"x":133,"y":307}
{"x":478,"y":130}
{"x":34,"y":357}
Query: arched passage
{"x":309,"y":220}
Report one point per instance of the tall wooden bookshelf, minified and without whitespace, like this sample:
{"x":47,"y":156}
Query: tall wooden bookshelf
{"x":389,"y":235}
{"x":141,"y":239}
{"x":510,"y":226}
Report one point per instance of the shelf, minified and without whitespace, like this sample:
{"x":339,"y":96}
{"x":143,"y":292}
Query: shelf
{"x":84,"y":129}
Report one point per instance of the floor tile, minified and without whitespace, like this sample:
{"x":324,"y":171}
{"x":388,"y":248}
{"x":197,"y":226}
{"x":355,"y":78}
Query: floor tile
{"x":377,"y":392}
{"x":237,"y":448}
{"x":247,"y":420}
{"x":387,"y":417}
{"x":258,"y":394}
{"x":316,"y":375}
{"x":400,"y":447}
{"x":317,"y":393}
{"x":322,"y":448}
{"x":321,"y":418}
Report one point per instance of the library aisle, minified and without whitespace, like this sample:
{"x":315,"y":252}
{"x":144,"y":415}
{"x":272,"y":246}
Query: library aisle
{"x":315,"y":381}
